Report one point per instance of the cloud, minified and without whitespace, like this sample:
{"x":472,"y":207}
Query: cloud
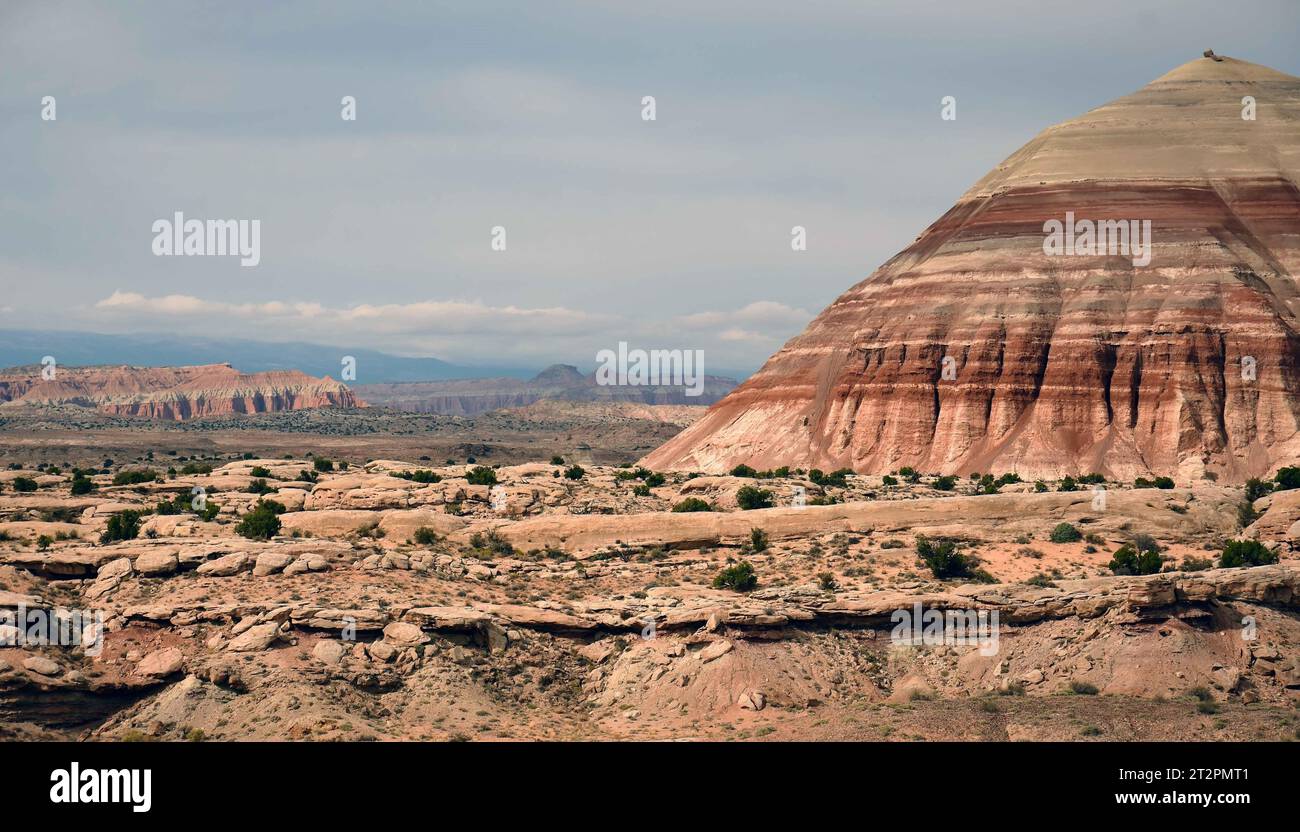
{"x":385,"y":319}
{"x":766,"y":314}
{"x":674,"y":232}
{"x":458,"y":330}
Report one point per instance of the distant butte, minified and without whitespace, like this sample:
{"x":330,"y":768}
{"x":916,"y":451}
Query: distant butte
{"x":1187,"y":366}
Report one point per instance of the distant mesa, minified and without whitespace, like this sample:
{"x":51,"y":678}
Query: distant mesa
{"x":173,"y":393}
{"x":975,"y":349}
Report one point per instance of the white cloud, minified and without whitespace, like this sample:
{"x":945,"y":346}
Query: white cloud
{"x":457,"y":330}
{"x":767,"y":314}
{"x":385,"y":319}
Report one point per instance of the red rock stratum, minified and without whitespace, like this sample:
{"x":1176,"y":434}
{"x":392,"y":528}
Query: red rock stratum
{"x":1065,"y":364}
{"x":174,"y":393}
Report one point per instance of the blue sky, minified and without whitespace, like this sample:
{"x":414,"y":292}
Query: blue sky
{"x":673,"y":233}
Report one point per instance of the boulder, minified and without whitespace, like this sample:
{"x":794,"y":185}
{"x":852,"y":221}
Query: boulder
{"x":161,"y":663}
{"x":226,"y":566}
{"x":382,"y":651}
{"x":268,"y":563}
{"x":402,"y":634}
{"x":311,"y":562}
{"x":597,"y":651}
{"x":715,"y":650}
{"x":328,"y":651}
{"x":154,"y":564}
{"x":256,"y":637}
{"x":42,"y":666}
{"x":114,"y":570}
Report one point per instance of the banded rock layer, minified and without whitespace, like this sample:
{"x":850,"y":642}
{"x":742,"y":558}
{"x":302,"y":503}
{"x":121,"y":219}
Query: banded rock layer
{"x":1065,"y":364}
{"x":174,"y":393}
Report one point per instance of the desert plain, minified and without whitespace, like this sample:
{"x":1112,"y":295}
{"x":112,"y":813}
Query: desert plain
{"x":545,"y":588}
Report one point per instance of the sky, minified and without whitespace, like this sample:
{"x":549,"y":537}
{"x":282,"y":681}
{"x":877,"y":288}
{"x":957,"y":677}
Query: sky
{"x":673,"y":233}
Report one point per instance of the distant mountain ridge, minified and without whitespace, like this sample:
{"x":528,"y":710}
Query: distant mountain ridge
{"x":559,"y":382}
{"x":78,"y":349}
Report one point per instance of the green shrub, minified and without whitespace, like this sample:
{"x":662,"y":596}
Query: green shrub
{"x":557,"y":460}
{"x":743,"y":471}
{"x":692,"y":504}
{"x":749,"y":497}
{"x":1246,"y":514}
{"x":322,"y":465}
{"x":1256,"y":488}
{"x":1287,"y":479}
{"x":757,"y":540}
{"x":1068,"y":484}
{"x":1040,"y":487}
{"x":24,"y":484}
{"x":124,"y":525}
{"x":425,"y":536}
{"x":1128,"y":560}
{"x":259,"y":471}
{"x":178,"y":505}
{"x":1246,"y":553}
{"x":492,"y":543}
{"x":481,"y":475}
{"x":945,"y":483}
{"x":1065,"y":533}
{"x":44,"y":542}
{"x":1164,"y":482}
{"x":740,"y":578}
{"x":423,"y":475}
{"x":575,"y":472}
{"x":838,"y":478}
{"x":1083,"y":688}
{"x":943,"y":559}
{"x":888,"y":480}
{"x":262,"y":523}
{"x":135,"y":477}
{"x":259,"y":487}
{"x":82,"y":485}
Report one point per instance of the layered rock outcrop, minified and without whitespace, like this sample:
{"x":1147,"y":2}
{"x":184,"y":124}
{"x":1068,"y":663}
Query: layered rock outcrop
{"x":174,"y":393}
{"x":975,"y":350}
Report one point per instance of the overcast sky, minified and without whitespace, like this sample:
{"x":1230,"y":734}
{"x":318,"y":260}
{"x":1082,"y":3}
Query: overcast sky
{"x":527,"y":115}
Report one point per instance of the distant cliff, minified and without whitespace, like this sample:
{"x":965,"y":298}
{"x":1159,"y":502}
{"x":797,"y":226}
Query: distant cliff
{"x":173,"y":393}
